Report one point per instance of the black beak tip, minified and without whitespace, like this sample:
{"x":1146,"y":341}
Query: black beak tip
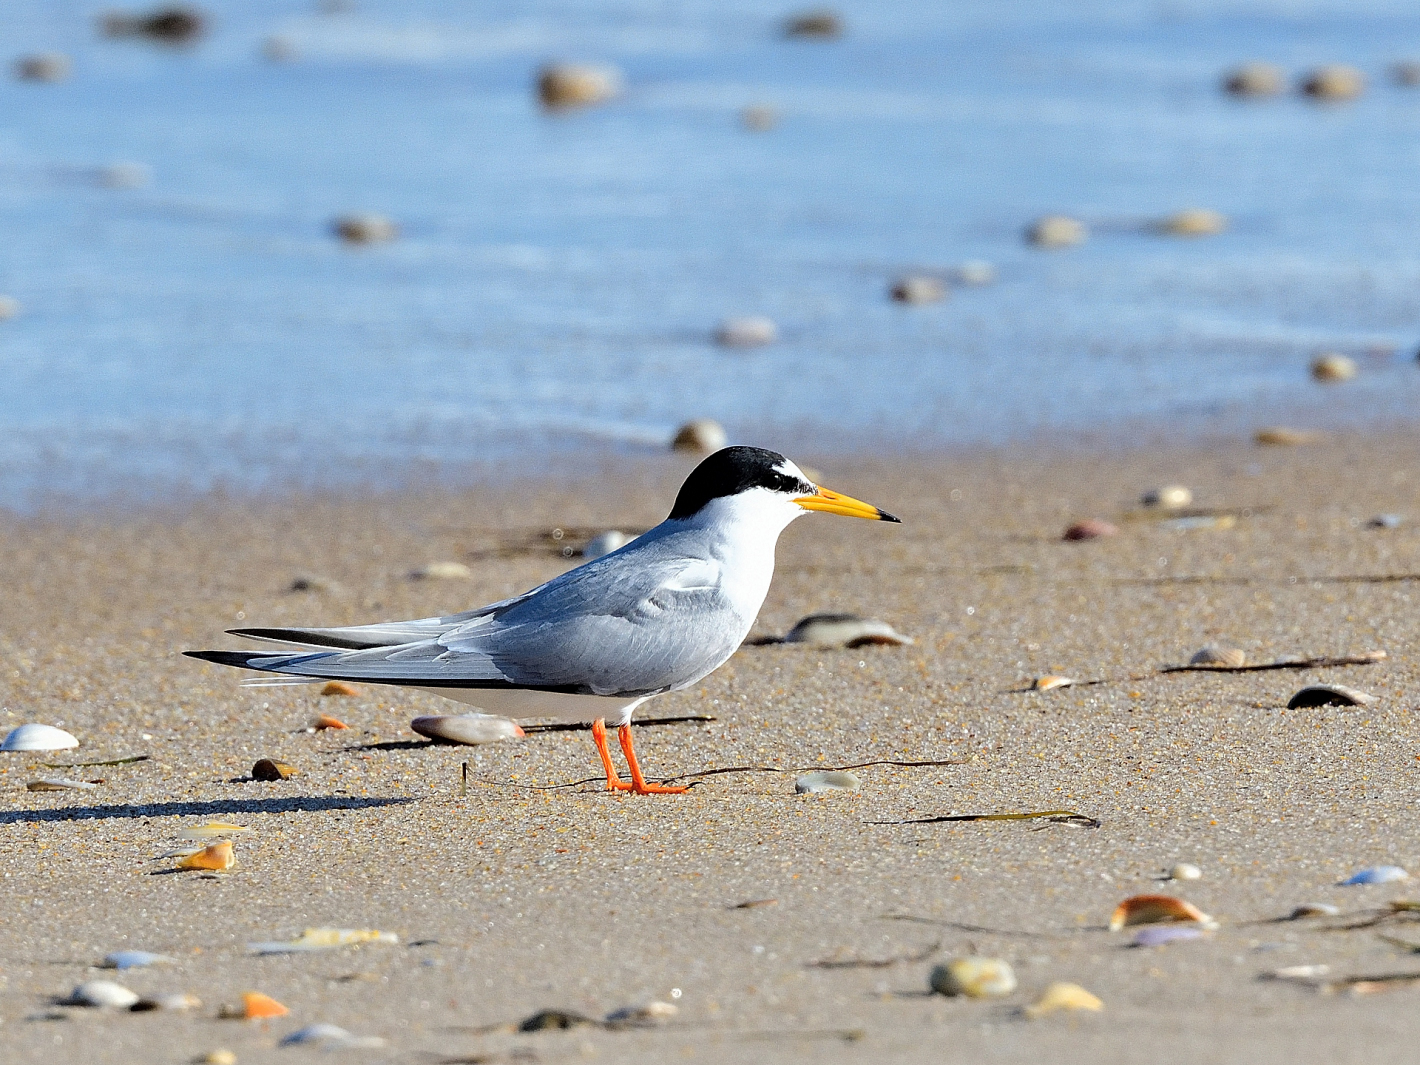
{"x":885,"y":516}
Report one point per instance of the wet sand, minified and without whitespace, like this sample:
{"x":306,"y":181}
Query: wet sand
{"x":512,"y":899}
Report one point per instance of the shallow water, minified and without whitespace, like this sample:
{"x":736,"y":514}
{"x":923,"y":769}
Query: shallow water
{"x":558,"y":279}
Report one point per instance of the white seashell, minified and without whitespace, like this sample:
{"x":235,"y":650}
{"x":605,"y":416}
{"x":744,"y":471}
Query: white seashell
{"x":1329,"y":695}
{"x":1334,"y":82}
{"x":844,"y":630}
{"x":648,"y":1013}
{"x":606,"y":543}
{"x":365,"y":229}
{"x":1376,"y":874}
{"x":918,"y":288}
{"x":313,"y":939}
{"x":703,"y":435}
{"x":1057,"y":231}
{"x":1330,"y":367}
{"x":1170,"y":497}
{"x":1313,"y":909}
{"x":331,"y":1037}
{"x":974,"y":978}
{"x":441,"y":571}
{"x":33,"y":737}
{"x":1050,"y":683}
{"x":1215,"y":655}
{"x":133,"y":959}
{"x":59,"y":784}
{"x":828,"y":780}
{"x":1193,"y":222}
{"x":221,"y":1056}
{"x":102,"y":994}
{"x":1185,"y":871}
{"x":1300,"y":972}
{"x":467,"y":729}
{"x":747,"y":332}
{"x":974,"y":272}
{"x":173,"y":1002}
{"x":1254,"y":79}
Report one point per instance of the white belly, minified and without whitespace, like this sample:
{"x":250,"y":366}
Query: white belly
{"x":522,"y":704}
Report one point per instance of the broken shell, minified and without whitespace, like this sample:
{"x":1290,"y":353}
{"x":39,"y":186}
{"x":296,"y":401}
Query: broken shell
{"x":748,"y":332}
{"x":1185,"y":871}
{"x":1217,"y":655}
{"x":268,"y":769}
{"x":1313,"y":909}
{"x":649,"y":1013}
{"x":175,"y":1002}
{"x":212,"y":830}
{"x":331,"y":1037}
{"x":1063,"y":996}
{"x":35,"y":737}
{"x":1331,"y":368}
{"x":1194,"y":222}
{"x":1329,"y":695}
{"x":338,"y":687}
{"x":133,"y":959}
{"x":844,"y":630}
{"x":1159,"y":935}
{"x":102,"y":994}
{"x":59,"y":784}
{"x":324,"y":939}
{"x":822,"y":25}
{"x":468,"y":729}
{"x":1056,"y":231}
{"x":1254,"y":79}
{"x":606,"y":543}
{"x":703,"y":435}
{"x":1157,"y":909}
{"x":1169,"y":497}
{"x":829,"y":780}
{"x":365,"y":229}
{"x":1376,"y":874}
{"x":974,"y":272}
{"x":1281,"y":436}
{"x":973,"y":977}
{"x":256,"y":1007}
{"x":325,"y":721}
{"x":43,"y":66}
{"x":759,"y":117}
{"x":571,"y":85}
{"x":1089,"y":529}
{"x":215,"y":857}
{"x":918,"y":288}
{"x":441,"y":571}
{"x":1045,"y":684}
{"x":1334,"y":82}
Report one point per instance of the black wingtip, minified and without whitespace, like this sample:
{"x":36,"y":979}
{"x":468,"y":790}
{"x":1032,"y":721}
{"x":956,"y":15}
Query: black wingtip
{"x":241,"y":659}
{"x":885,"y":516}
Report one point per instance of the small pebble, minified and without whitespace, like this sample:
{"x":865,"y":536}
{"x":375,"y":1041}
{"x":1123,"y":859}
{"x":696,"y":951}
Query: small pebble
{"x":339,"y":688}
{"x":1163,"y":934}
{"x":1254,"y":79}
{"x":1218,"y":655}
{"x":569,"y":85}
{"x":830,"y":780}
{"x":467,"y":729}
{"x":1329,"y":695}
{"x":1195,"y":222}
{"x":1185,"y":871}
{"x":1063,"y":996}
{"x":918,"y":288}
{"x":36,"y":737}
{"x":1313,"y":909}
{"x":1333,"y":83}
{"x":442,"y":571}
{"x":1157,"y":909}
{"x":1169,"y":497}
{"x":975,"y":272}
{"x":973,"y":977}
{"x":701,"y":435}
{"x":1090,"y":529}
{"x":751,"y":331}
{"x":760,"y":118}
{"x":269,"y":769}
{"x":1282,"y":436}
{"x":331,"y":1037}
{"x":43,"y":66}
{"x":1056,"y":231}
{"x":1376,"y":874}
{"x":365,"y":229}
{"x":821,"y":25}
{"x":844,"y":630}
{"x":133,"y":959}
{"x":1332,"y":368}
{"x":102,"y":994}
{"x":605,"y":543}
{"x":1385,"y":521}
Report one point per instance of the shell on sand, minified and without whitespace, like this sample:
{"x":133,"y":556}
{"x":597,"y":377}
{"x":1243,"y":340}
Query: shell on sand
{"x":325,"y":721}
{"x":605,"y":543}
{"x":467,"y":729}
{"x":566,"y":85}
{"x":973,"y":977}
{"x":1050,"y":683}
{"x":1157,"y":909}
{"x":1057,"y":231}
{"x":314,"y":939}
{"x":1282,"y":436}
{"x":1329,"y":695}
{"x":212,"y":830}
{"x":823,"y":25}
{"x":1063,"y":996}
{"x":702,"y":435}
{"x":1185,"y":871}
{"x":1169,"y":497}
{"x":647,"y":1013}
{"x":171,"y":1002}
{"x":1218,"y":655}
{"x":59,"y":784}
{"x":215,"y":857}
{"x":102,"y":994}
{"x":1089,"y":529}
{"x":827,"y":780}
{"x":844,"y":630}
{"x":1333,"y":82}
{"x":750,"y":331}
{"x":759,"y":117}
{"x":36,"y":737}
{"x":1254,"y":79}
{"x":270,"y":769}
{"x":1193,"y":222}
{"x":331,"y":1037}
{"x":1332,"y":368}
{"x":365,"y":229}
{"x":256,"y":1006}
{"x":441,"y":571}
{"x":133,"y":959}
{"x":43,"y":66}
{"x":338,"y":687}
{"x":1313,"y":909}
{"x":918,"y":288}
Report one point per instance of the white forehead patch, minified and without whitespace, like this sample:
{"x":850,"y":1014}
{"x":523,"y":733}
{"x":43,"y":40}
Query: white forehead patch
{"x":790,"y":470}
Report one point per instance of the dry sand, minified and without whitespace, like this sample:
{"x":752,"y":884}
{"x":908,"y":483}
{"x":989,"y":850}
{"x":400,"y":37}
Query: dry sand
{"x":512,"y":900}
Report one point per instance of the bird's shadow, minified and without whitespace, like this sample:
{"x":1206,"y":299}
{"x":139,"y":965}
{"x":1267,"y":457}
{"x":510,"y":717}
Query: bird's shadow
{"x":296,"y":804}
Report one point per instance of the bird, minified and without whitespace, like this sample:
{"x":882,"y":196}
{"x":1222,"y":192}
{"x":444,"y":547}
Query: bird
{"x":654,"y":616}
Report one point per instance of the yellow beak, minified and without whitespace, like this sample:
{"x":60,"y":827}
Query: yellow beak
{"x":835,"y":503}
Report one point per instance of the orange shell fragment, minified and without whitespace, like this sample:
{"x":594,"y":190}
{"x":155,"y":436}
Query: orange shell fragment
{"x":216,"y":857}
{"x":325,"y":721}
{"x":256,"y":1006}
{"x":339,"y":687}
{"x":1157,"y":909}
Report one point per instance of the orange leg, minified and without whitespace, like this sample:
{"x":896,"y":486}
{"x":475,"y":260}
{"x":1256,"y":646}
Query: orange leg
{"x":613,"y":782}
{"x":638,"y":782}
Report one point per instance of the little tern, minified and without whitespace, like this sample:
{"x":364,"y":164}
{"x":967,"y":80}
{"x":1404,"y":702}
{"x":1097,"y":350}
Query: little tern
{"x":652,"y":617}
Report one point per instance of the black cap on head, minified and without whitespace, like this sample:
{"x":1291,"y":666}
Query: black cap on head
{"x":733,"y":470}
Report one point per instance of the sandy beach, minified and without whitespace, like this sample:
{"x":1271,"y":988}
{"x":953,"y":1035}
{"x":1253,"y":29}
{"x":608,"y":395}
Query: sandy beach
{"x":514,"y":898}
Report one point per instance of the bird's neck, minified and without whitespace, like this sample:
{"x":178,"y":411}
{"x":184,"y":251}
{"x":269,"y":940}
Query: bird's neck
{"x":740,"y":532}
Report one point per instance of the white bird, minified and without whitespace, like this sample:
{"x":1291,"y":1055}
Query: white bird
{"x":654,"y":616}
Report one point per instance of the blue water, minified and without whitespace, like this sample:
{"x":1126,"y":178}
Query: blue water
{"x":558,"y":278}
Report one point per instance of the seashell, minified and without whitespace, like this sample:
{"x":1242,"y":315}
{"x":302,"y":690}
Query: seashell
{"x":702,"y":435}
{"x":34,"y":737}
{"x":467,"y":729}
{"x":973,"y":977}
{"x":1299,"y":972}
{"x":331,"y":1037}
{"x":175,"y":1002}
{"x":1193,"y":222}
{"x":215,"y":857}
{"x":365,"y":229}
{"x":554,"y":1020}
{"x":1313,"y":909}
{"x":918,"y":288}
{"x":828,"y":780}
{"x":441,"y":571}
{"x":133,"y":959}
{"x":267,"y":769}
{"x":822,"y":25}
{"x":1056,"y":231}
{"x":338,"y":687}
{"x":59,"y":784}
{"x":1217,"y":655}
{"x":325,"y":721}
{"x":124,"y":175}
{"x":9,"y":307}
{"x":606,"y":543}
{"x":759,"y":117}
{"x":974,"y":272}
{"x":1200,"y":521}
{"x":1376,"y":874}
{"x":43,"y":66}
{"x":102,"y":994}
{"x":1406,"y":73}
{"x":1334,"y":82}
{"x":1185,"y":871}
{"x":324,"y":939}
{"x":217,"y":1057}
{"x":566,"y":85}
{"x":748,"y":332}
{"x":212,"y":830}
{"x":1329,"y":695}
{"x":307,"y":582}
{"x":1385,"y":521}
{"x":1160,"y":935}
{"x":1281,"y":436}
{"x":1169,"y":497}
{"x":844,"y":630}
{"x":1089,"y":529}
{"x":170,"y":25}
{"x":1157,"y":909}
{"x":1254,"y":79}
{"x":257,"y":1007}
{"x":1063,"y":996}
{"x":1331,"y":368}
{"x":1050,"y":683}
{"x":649,"y":1013}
